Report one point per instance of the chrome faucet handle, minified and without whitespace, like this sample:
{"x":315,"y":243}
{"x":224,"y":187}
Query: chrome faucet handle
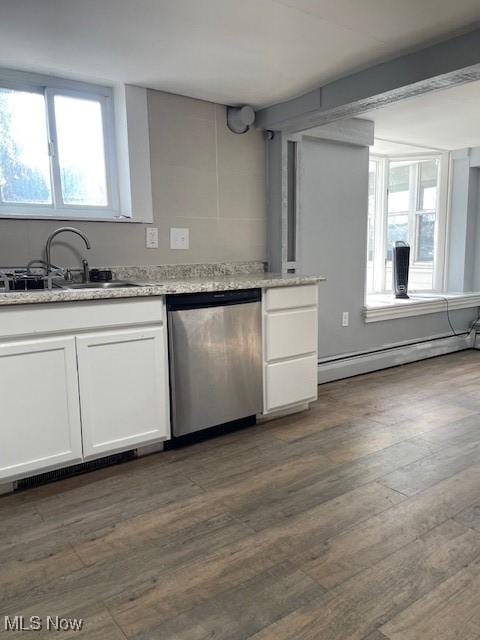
{"x":86,"y":271}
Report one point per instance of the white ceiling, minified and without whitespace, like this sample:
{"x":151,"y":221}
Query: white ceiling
{"x":387,"y":148}
{"x":228,"y":51}
{"x":446,"y":119}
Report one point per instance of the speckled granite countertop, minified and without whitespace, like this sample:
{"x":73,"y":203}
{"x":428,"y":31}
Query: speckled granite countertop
{"x":166,"y":286}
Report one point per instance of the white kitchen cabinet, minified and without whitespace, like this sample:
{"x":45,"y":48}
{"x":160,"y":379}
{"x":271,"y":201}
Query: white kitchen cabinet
{"x":123,"y":376}
{"x":39,"y":405}
{"x":290,"y":346}
{"x":79,"y":381}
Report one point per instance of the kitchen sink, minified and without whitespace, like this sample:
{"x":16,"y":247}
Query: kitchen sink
{"x":22,"y":279}
{"x":111,"y":284}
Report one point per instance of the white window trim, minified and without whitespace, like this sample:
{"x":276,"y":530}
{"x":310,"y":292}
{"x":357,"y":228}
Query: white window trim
{"x":50,"y":86}
{"x":379,"y":228}
{"x":381,"y":204}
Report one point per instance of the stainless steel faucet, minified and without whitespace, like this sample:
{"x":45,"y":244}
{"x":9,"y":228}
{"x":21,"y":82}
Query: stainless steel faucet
{"x":48,"y":248}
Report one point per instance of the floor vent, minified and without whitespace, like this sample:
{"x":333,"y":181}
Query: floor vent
{"x":75,"y":470}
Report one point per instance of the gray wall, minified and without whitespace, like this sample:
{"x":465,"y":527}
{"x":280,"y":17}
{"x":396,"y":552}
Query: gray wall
{"x":204,"y":178}
{"x":464,"y":226}
{"x":333,"y":240}
{"x":464,"y":221}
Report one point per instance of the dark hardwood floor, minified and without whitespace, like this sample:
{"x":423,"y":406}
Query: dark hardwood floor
{"x":359,"y":519}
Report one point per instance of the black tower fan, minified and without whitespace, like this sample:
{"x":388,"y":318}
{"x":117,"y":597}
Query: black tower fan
{"x":400,"y":264}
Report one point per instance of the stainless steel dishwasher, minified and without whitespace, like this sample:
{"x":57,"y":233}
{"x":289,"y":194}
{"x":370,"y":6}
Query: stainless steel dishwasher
{"x":215,"y":348}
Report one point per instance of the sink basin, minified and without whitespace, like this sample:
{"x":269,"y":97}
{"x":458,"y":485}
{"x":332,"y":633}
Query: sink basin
{"x":111,"y":284}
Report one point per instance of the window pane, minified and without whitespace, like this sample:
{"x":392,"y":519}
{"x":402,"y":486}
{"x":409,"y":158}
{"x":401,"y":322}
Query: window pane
{"x":372,"y":186}
{"x":398,"y":187}
{"x":397,"y":229}
{"x":425,"y":237}
{"x":411,"y":217}
{"x":371,"y":237}
{"x":24,"y":160}
{"x":428,"y":185}
{"x":81,"y":151}
{"x":420,"y":277}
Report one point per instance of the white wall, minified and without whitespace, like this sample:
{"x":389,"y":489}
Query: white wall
{"x":203,"y":177}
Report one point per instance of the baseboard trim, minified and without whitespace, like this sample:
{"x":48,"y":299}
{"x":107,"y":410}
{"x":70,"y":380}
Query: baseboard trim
{"x":393,"y":356}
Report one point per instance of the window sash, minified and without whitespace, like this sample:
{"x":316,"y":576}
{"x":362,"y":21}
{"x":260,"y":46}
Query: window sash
{"x":49,"y":88}
{"x":381,"y":265}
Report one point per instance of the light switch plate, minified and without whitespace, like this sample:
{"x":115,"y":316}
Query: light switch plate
{"x":151,"y":238}
{"x":179,"y":238}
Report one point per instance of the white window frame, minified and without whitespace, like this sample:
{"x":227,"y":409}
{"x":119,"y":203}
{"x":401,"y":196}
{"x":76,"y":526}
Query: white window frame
{"x":50,"y":87}
{"x":381,"y":212}
{"x":379,"y":226}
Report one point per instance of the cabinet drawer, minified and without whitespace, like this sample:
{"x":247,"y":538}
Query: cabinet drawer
{"x":290,"y":297}
{"x":72,"y":317}
{"x":290,"y":382}
{"x":290,"y":333}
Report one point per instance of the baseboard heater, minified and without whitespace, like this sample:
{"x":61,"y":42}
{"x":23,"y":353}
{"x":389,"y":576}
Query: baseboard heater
{"x":391,"y":356}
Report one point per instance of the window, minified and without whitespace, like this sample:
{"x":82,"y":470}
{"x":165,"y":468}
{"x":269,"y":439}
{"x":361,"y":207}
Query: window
{"x":57,"y":150}
{"x":404,"y":204}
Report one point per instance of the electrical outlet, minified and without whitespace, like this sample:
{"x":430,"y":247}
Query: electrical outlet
{"x":179,"y":238}
{"x":345,"y":319}
{"x":151,"y":238}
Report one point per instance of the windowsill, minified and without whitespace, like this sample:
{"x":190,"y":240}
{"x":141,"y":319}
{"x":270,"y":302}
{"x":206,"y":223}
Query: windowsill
{"x":383,"y":306}
{"x":66,"y":216}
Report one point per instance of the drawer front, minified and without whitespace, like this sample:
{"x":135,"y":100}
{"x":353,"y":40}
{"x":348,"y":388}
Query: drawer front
{"x":290,"y":382}
{"x":73,"y":317}
{"x":291,"y":333}
{"x":291,"y":297}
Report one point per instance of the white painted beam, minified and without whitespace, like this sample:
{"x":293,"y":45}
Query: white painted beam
{"x":356,"y":131}
{"x":438,"y":66}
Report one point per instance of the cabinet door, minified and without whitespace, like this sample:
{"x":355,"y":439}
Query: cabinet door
{"x":40,"y":415}
{"x":123,"y":378}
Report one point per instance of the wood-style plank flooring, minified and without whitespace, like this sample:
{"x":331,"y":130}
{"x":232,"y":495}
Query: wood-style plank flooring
{"x":359,"y":519}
